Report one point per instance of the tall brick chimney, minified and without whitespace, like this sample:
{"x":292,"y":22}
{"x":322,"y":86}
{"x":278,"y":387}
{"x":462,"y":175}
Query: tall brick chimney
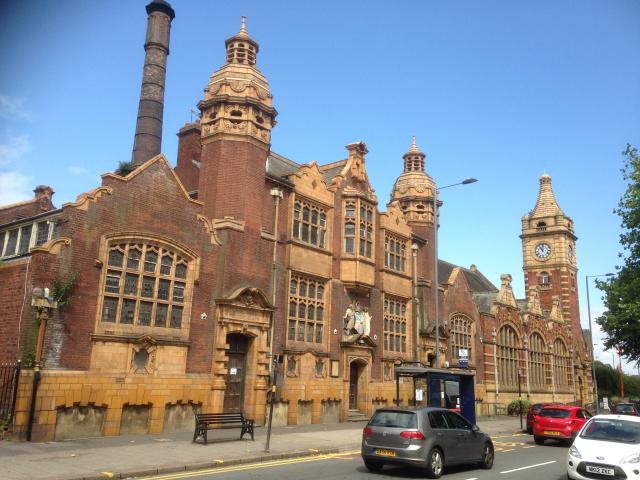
{"x":148,"y":139}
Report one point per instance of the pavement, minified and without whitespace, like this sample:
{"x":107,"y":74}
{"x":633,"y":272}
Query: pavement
{"x":132,"y":456}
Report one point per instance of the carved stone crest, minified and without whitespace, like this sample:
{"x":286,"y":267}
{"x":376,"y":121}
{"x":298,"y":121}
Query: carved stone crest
{"x":357,"y":323}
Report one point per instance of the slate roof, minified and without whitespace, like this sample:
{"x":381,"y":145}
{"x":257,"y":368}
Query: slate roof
{"x":484,"y":301}
{"x":476,"y":280}
{"x":280,"y":166}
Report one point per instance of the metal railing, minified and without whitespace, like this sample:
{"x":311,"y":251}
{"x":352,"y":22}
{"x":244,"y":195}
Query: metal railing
{"x":9,"y":377}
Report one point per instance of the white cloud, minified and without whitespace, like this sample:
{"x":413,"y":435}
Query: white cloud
{"x":12,"y":108}
{"x":14,"y":187}
{"x":13,"y":147}
{"x":78,"y":169}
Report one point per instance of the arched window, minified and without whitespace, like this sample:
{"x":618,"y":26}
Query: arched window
{"x":460,"y":335}
{"x":507,"y":352}
{"x":545,"y":278}
{"x":145,"y":284}
{"x":560,"y":363}
{"x":536,"y":360}
{"x":542,"y":226}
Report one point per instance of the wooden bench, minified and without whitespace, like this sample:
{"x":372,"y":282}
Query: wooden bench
{"x":214,"y":421}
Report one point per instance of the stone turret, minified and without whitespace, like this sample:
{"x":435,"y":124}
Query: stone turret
{"x":414,"y":189}
{"x":148,"y":138}
{"x":237,"y":103}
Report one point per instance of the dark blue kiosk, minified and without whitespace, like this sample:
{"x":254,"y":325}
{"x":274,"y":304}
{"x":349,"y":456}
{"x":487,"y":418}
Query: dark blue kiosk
{"x":447,"y":388}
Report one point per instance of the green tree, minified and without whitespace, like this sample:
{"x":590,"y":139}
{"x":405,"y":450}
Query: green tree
{"x":621,"y":319}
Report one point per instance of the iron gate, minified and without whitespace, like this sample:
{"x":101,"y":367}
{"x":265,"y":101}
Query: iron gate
{"x":9,"y":376}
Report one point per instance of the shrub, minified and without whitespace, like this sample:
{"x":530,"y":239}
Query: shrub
{"x":516,"y":407}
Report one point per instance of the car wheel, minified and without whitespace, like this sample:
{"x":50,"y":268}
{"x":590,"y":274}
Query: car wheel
{"x":538,"y":440}
{"x":487,"y":456}
{"x":435,"y":463}
{"x":373,"y":466}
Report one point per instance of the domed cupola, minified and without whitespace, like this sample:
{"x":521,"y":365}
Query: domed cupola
{"x":237,"y":101}
{"x":414,"y":188}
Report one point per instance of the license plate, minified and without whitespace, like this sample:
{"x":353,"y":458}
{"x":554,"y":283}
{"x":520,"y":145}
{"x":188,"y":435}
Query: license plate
{"x":551,"y":432}
{"x":385,"y":453}
{"x":600,"y":470}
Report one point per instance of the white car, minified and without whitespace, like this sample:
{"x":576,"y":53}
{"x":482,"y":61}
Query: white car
{"x":608,"y":446}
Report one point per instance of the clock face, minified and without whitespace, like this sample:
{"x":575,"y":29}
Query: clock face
{"x":543,"y":250}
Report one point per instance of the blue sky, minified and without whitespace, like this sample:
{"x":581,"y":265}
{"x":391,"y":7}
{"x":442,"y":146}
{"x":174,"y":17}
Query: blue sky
{"x":501,"y":91}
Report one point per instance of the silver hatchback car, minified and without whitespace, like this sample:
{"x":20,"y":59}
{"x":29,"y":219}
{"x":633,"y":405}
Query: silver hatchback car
{"x":428,"y":438}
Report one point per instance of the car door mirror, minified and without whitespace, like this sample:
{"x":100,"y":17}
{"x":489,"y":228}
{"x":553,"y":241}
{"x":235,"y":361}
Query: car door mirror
{"x":475,"y":428}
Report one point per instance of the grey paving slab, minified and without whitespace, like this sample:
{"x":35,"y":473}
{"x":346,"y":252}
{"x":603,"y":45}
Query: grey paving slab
{"x":130,"y":456}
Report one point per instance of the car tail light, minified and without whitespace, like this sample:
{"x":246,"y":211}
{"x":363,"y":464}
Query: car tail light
{"x":367,"y":431}
{"x":408,"y":434}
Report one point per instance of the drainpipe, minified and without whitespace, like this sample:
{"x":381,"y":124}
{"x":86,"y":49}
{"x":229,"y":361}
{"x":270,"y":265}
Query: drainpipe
{"x":495,"y":365}
{"x":553,"y":377}
{"x":43,"y":316}
{"x":526,"y":364}
{"x":416,"y":301}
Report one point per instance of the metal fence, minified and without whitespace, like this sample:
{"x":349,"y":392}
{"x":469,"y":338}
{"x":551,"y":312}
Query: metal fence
{"x":9,"y":376}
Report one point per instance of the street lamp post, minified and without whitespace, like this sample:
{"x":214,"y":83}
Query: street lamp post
{"x":593,"y":363}
{"x":435,"y":259}
{"x":520,"y":397}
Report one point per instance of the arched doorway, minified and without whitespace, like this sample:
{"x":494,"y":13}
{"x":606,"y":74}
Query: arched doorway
{"x":236,"y":371}
{"x":356,"y":385}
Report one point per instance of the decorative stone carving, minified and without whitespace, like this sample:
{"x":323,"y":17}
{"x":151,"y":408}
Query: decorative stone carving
{"x":320,"y":368}
{"x":292,"y":366}
{"x":357,"y":323}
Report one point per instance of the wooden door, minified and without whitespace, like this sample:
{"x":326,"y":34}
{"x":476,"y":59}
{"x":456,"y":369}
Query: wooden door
{"x":234,"y":390}
{"x":353,"y":385}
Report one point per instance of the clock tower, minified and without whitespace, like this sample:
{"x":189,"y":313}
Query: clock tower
{"x":549,"y":257}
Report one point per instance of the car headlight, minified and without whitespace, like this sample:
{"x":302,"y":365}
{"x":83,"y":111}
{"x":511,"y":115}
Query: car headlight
{"x":633,"y":458}
{"x":574,"y":452}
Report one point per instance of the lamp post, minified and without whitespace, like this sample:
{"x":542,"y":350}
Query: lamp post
{"x":593,"y":363}
{"x":520,"y":397}
{"x":435,"y":259}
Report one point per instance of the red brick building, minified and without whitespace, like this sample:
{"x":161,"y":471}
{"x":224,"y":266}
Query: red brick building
{"x":166,"y":290}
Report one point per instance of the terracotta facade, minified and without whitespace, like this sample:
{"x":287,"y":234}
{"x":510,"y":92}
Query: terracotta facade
{"x":199,"y":287}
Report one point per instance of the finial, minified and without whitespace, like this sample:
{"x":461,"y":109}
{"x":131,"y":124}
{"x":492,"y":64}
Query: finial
{"x":243,"y":26}
{"x":414,"y":148}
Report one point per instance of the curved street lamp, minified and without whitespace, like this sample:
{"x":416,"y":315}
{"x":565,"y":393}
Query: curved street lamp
{"x":466,"y":181}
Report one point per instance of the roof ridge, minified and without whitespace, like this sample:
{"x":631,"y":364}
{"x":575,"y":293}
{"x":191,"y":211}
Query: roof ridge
{"x":17,"y":204}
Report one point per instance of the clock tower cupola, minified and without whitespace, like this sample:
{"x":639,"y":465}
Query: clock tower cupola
{"x":549,"y":256}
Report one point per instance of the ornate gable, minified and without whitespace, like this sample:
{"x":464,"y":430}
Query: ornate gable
{"x":309,"y":181}
{"x":393,"y":220}
{"x":355,"y":173}
{"x":505,"y":294}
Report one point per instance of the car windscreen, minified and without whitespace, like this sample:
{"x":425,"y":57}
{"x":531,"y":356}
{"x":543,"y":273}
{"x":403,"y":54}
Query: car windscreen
{"x":624,"y":408}
{"x":612,"y":430}
{"x":388,"y":418}
{"x":555,"y":413}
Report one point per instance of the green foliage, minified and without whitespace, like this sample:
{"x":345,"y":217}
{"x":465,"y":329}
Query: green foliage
{"x":609,"y":382}
{"x":125,"y":168}
{"x":621,"y":319}
{"x":518,"y":406}
{"x":62,"y":290}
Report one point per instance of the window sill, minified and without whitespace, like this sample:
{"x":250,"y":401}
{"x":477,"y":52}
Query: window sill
{"x":310,"y":246}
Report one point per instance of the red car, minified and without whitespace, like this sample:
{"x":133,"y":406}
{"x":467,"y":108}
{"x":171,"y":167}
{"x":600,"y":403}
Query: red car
{"x":560,"y":422}
{"x":533,"y":412}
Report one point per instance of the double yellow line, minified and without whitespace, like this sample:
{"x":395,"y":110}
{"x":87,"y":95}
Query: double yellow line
{"x":251,"y":466}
